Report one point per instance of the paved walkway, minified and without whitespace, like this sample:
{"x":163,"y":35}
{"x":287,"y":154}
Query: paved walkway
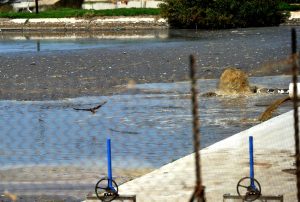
{"x":224,"y":163}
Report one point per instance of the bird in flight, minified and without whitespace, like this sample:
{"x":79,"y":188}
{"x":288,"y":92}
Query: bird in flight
{"x":93,"y":109}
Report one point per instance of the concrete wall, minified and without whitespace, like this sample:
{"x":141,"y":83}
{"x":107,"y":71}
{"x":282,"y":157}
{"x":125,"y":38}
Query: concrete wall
{"x":30,"y":4}
{"x":93,"y":4}
{"x":80,"y":24}
{"x":100,"y":5}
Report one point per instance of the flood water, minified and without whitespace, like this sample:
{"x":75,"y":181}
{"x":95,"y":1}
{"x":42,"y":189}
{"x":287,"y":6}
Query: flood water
{"x":252,"y":41}
{"x":150,"y":125}
{"x":45,"y":42}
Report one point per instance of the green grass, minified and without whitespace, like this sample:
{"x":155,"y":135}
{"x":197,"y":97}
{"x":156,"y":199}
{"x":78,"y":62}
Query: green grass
{"x":289,"y":7}
{"x":68,"y":12}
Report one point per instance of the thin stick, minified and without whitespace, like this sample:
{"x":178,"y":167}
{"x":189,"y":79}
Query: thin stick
{"x":199,"y":189}
{"x":295,"y":105}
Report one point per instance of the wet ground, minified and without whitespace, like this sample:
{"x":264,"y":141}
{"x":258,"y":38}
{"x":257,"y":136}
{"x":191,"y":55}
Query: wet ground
{"x":92,"y":67}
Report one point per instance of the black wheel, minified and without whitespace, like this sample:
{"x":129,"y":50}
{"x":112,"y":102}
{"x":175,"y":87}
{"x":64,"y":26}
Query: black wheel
{"x":246,"y":191}
{"x":104,"y":192}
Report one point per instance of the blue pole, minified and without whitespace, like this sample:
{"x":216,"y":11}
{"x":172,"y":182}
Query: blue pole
{"x":251,"y":161}
{"x":109,"y":170}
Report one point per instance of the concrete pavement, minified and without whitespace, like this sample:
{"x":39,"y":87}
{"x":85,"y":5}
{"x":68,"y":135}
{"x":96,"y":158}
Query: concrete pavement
{"x":224,"y":163}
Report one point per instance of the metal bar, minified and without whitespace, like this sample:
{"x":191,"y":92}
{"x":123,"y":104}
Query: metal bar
{"x":109,"y":170}
{"x":295,"y":105}
{"x":38,"y":45}
{"x":199,"y":189}
{"x":118,"y":198}
{"x":251,"y":161}
{"x":265,"y":198}
{"x":36,"y":6}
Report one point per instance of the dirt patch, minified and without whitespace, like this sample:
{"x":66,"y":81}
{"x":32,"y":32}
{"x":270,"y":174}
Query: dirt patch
{"x":66,"y":173}
{"x":290,"y":171}
{"x":262,"y":164}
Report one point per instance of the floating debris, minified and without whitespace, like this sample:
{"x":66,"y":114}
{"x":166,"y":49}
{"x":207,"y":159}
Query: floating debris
{"x":234,"y":81}
{"x":209,"y":94}
{"x":124,"y":132}
{"x":268,"y":113}
{"x":273,"y":90}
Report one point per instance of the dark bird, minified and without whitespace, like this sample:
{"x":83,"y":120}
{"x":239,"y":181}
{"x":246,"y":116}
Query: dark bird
{"x":94,"y":109}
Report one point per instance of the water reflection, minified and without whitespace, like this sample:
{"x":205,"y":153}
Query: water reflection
{"x":23,"y":41}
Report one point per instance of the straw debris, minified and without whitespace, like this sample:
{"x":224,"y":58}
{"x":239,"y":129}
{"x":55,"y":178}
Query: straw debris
{"x":268,"y":113}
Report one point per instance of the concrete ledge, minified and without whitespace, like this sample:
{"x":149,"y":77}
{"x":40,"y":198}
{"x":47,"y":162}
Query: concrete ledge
{"x":70,"y":24}
{"x":98,"y":23}
{"x":224,"y":163}
{"x":93,"y":197}
{"x":236,"y":198}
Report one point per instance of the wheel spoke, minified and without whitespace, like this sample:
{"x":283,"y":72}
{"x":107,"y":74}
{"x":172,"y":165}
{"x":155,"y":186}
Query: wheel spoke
{"x":252,"y":192}
{"x":110,"y":193}
{"x":102,"y":187}
{"x":244,"y":186}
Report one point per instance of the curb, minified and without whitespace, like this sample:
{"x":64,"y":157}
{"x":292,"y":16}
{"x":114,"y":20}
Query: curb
{"x":79,"y":24}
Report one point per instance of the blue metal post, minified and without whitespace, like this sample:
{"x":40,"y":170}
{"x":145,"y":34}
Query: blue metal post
{"x":251,"y":161}
{"x":109,"y":170}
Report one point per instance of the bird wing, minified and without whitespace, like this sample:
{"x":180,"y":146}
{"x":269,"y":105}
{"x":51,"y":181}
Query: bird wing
{"x":91,"y":109}
{"x":82,"y":109}
{"x":97,"y":107}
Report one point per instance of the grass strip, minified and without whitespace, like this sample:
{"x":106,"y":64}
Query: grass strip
{"x":69,"y":12}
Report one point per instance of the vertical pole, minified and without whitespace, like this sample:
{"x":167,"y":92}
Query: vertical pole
{"x":36,"y":6}
{"x":295,"y":105}
{"x":38,"y":45}
{"x":109,"y":170}
{"x":251,"y":161}
{"x":199,"y":189}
